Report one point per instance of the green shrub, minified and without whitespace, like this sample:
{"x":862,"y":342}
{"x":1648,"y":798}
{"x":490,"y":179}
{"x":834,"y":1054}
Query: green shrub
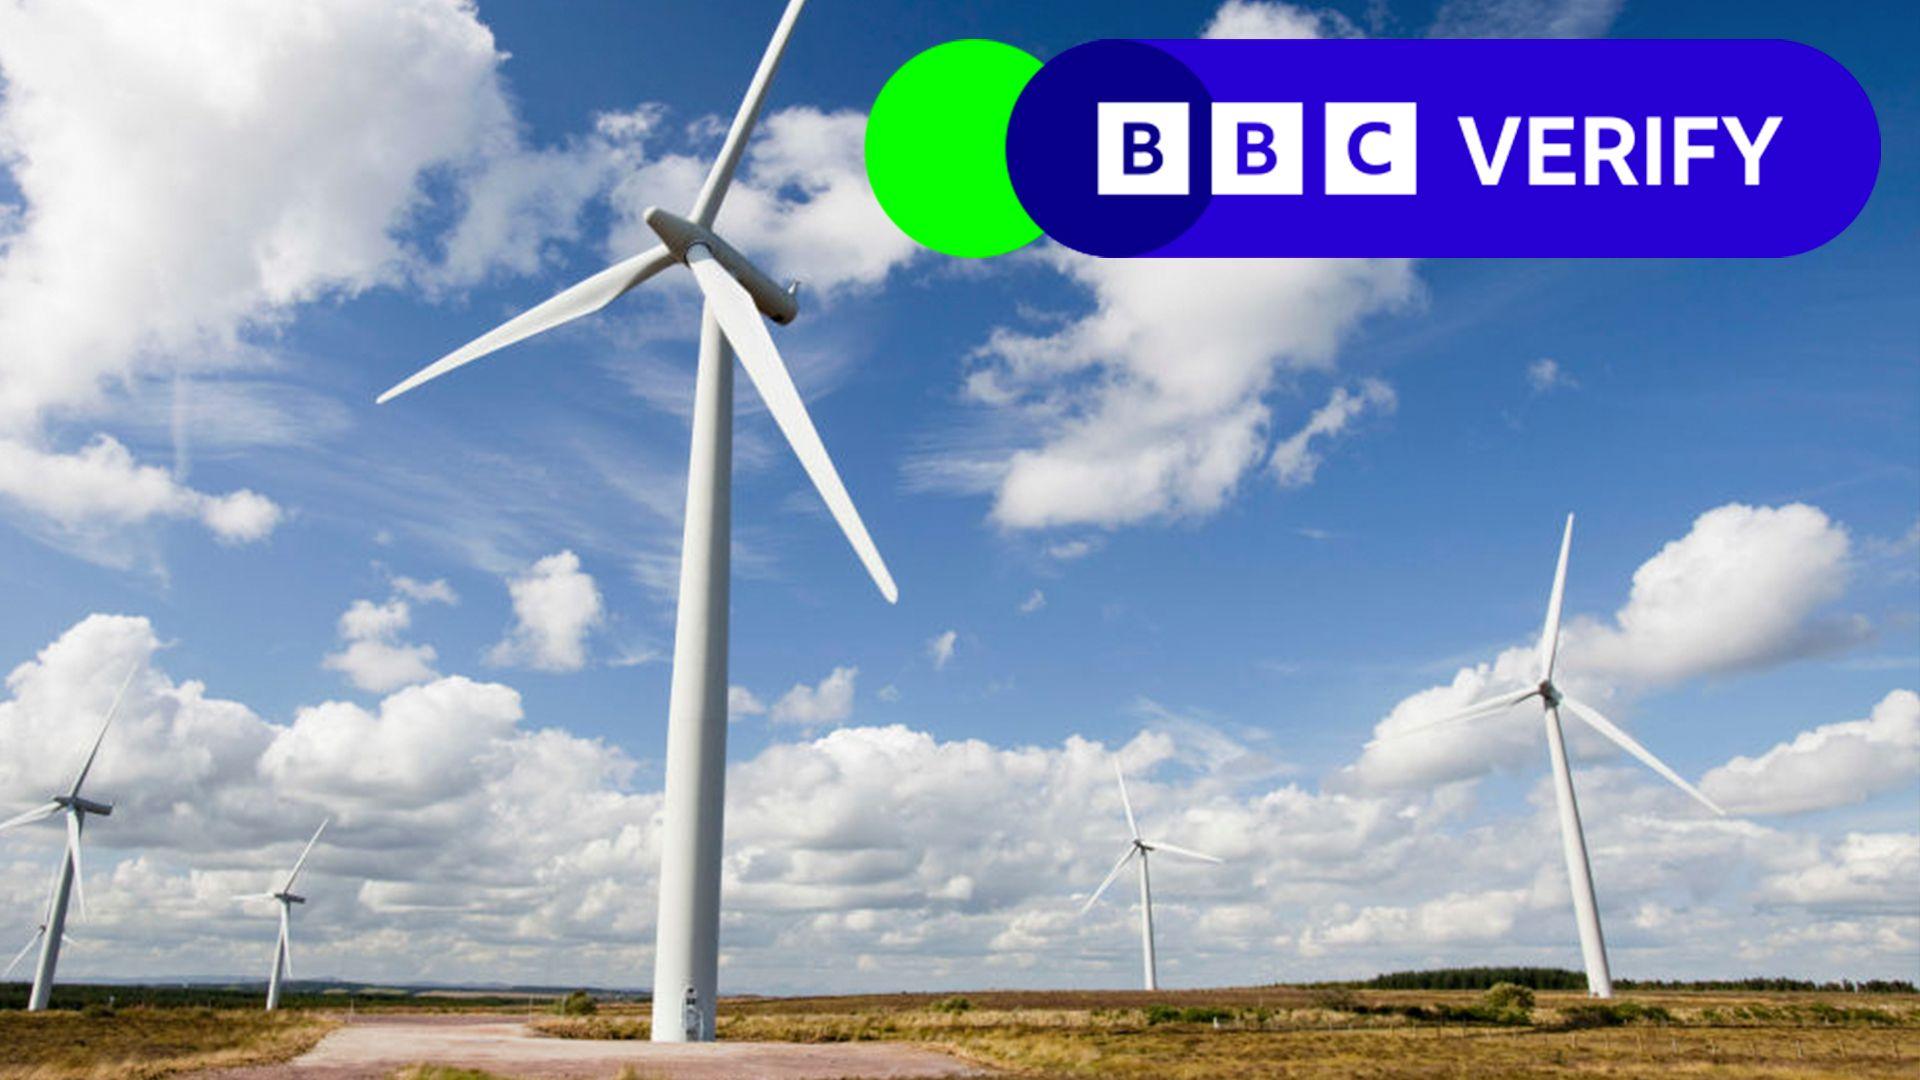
{"x":578,"y":1003}
{"x":1613,"y":1014}
{"x":952,"y":1005}
{"x":1197,"y":1014}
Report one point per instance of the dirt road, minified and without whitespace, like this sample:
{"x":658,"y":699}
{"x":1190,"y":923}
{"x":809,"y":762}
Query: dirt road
{"x":373,"y":1048}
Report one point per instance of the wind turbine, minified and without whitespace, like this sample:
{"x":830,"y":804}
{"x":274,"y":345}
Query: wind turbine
{"x":1140,"y":848}
{"x":66,"y":879}
{"x":737,"y":294}
{"x":1593,"y":947}
{"x":283,"y":950}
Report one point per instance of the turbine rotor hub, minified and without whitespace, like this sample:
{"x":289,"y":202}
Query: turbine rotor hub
{"x":775,"y":301}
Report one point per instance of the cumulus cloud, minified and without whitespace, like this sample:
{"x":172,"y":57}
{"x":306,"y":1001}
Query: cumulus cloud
{"x":373,"y":657}
{"x":1271,"y":19}
{"x":436,"y":591}
{"x":90,"y":496}
{"x":185,"y":197}
{"x":940,"y":648}
{"x":1743,"y":589}
{"x":1296,"y":459}
{"x":830,"y":701}
{"x":472,"y":843}
{"x":556,"y":605}
{"x":1746,"y":588}
{"x":1864,"y":872}
{"x":1827,"y":766}
{"x":1153,"y":406}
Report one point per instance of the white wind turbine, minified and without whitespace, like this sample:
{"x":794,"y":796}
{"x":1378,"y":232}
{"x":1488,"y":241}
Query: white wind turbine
{"x":1593,"y":947}
{"x":1140,"y":848}
{"x":737,"y":295}
{"x":283,"y":950}
{"x":67,"y":878}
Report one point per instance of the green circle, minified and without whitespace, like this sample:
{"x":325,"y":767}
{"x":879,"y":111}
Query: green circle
{"x":937,"y":148}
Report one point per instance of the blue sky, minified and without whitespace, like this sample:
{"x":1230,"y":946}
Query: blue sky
{"x":1242,"y":628}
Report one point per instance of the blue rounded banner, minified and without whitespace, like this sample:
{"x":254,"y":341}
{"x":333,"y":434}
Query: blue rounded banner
{"x":1443,"y":148}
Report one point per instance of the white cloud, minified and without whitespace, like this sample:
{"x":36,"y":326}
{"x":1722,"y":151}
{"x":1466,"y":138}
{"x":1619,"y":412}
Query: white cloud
{"x":1745,"y":588}
{"x":828,"y":702}
{"x":436,"y":591}
{"x":1865,"y":871}
{"x":1295,"y":460}
{"x":174,"y":219}
{"x":1546,"y":375}
{"x":1828,"y":766}
{"x":185,"y":193}
{"x":471,"y":843}
{"x":940,"y":648}
{"x":1271,"y":19}
{"x":1153,"y":405}
{"x":373,"y":657}
{"x":1034,"y":602}
{"x":556,"y":605}
{"x":741,"y":702}
{"x":89,"y":497}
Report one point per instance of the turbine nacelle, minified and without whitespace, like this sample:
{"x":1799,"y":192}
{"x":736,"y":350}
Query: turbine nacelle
{"x":289,"y":898}
{"x":775,"y":301}
{"x":85,"y":806}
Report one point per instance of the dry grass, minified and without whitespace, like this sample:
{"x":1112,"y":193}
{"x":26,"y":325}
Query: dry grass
{"x":1375,"y":1035}
{"x":148,"y":1042}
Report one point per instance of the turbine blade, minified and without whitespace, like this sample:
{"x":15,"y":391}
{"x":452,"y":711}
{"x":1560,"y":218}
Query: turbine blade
{"x":740,"y":321}
{"x":1626,"y":742}
{"x":246,"y":897}
{"x":38,"y":813}
{"x":1490,"y":707}
{"x":584,"y":298}
{"x":707,"y":206}
{"x":120,"y":695}
{"x":73,"y":848}
{"x":1108,"y":880}
{"x":22,"y":954}
{"x":1124,"y":803}
{"x":302,"y":861}
{"x":1550,"y":633}
{"x":286,"y":942}
{"x":1160,"y":845}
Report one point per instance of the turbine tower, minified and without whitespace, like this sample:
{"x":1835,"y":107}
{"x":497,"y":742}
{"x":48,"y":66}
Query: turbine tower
{"x":67,"y":878}
{"x":1140,"y":848}
{"x":283,"y":949}
{"x":1586,"y":910}
{"x":737,"y":294}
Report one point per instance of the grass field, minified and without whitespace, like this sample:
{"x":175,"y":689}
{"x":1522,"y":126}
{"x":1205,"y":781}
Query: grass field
{"x":1382,"y":1035}
{"x":1235,"y":1034}
{"x":129,"y":1044}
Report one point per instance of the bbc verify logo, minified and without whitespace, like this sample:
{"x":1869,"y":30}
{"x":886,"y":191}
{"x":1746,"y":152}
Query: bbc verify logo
{"x":1379,"y":148}
{"x":1373,"y":148}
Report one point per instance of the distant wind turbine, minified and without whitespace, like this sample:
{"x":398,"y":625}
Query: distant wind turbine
{"x":1140,"y":848}
{"x":1593,"y":947}
{"x":67,"y":878}
{"x":737,"y":295}
{"x":283,"y":949}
